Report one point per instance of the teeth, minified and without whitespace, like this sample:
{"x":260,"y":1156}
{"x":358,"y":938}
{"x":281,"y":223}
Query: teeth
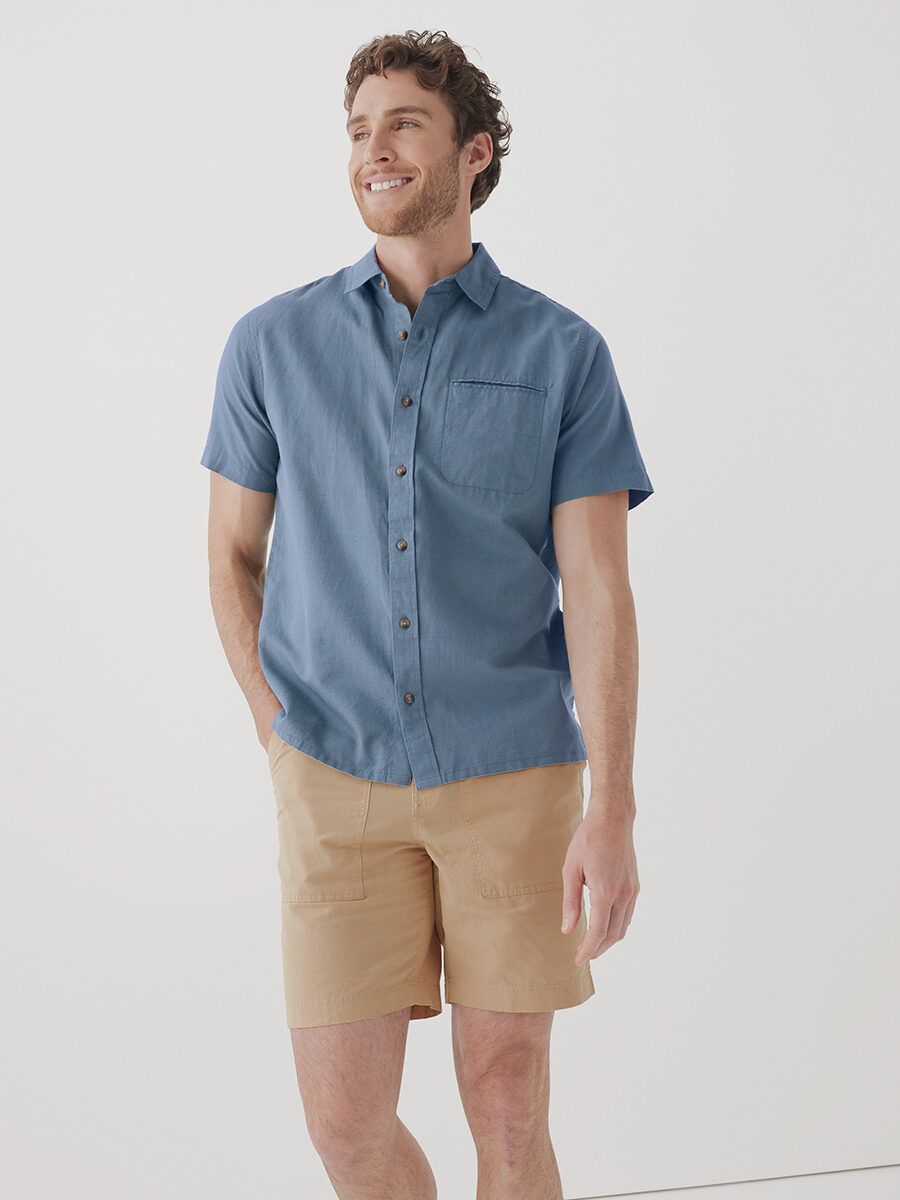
{"x":388,"y":183}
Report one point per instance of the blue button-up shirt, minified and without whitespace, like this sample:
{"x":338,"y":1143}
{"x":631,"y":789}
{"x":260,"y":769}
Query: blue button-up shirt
{"x":411,"y":624}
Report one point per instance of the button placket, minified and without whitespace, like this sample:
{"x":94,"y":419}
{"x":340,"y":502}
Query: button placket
{"x":414,"y":344}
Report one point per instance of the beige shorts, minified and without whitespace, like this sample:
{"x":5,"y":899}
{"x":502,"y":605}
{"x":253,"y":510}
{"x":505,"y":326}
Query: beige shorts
{"x":376,"y":878}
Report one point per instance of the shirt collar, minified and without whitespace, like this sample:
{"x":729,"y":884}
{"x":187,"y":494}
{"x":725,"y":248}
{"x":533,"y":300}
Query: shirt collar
{"x":477,"y":278}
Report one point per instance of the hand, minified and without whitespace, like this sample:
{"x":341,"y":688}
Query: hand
{"x":601,"y":856}
{"x":264,"y":728}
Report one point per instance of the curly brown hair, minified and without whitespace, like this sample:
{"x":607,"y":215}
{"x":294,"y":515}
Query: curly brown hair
{"x":440,"y":63}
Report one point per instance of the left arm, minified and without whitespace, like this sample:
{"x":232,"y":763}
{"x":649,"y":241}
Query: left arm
{"x":590,"y":540}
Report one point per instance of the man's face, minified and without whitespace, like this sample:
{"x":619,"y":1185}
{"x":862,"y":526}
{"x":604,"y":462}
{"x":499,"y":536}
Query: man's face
{"x":414,"y":144}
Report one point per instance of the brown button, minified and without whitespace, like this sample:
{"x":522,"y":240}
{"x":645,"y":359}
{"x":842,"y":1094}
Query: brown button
{"x":409,"y":697}
{"x":404,"y":622}
{"x":401,"y":470}
{"x":383,"y":284}
{"x":401,"y":545}
{"x":402,"y":335}
{"x":406,"y":401}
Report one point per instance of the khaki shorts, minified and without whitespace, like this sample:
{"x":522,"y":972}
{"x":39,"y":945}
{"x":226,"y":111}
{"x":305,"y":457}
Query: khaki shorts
{"x":376,"y":878}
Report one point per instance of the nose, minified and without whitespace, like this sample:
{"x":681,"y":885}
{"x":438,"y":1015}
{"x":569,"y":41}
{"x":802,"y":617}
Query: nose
{"x":378,"y":149}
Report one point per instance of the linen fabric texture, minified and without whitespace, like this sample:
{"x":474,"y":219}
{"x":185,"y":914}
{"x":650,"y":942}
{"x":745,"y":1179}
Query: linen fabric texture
{"x":411,"y":623}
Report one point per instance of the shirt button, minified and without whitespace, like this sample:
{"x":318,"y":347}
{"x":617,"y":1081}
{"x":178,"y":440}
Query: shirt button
{"x":401,"y":470}
{"x":404,"y":622}
{"x":381,"y":281}
{"x":402,"y":335}
{"x":401,"y":545}
{"x":409,"y":697}
{"x":406,"y":401}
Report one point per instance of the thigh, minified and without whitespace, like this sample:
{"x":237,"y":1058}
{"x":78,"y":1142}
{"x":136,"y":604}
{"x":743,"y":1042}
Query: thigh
{"x":507,"y":1046}
{"x":349,"y":1076}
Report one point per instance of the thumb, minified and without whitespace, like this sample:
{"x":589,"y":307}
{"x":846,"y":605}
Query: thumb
{"x":571,"y":903}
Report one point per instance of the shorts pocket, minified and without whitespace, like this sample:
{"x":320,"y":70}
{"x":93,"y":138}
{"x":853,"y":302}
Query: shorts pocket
{"x":520,"y":825}
{"x":492,"y":434}
{"x":322,"y":816}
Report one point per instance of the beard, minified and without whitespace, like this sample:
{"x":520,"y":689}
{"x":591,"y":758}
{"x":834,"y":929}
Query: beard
{"x":431,"y":202}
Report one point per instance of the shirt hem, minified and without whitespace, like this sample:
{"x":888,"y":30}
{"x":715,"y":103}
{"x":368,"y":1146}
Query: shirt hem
{"x":375,"y":775}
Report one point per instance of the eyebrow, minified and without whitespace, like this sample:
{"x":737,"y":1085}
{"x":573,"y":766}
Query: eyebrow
{"x":392,"y":112}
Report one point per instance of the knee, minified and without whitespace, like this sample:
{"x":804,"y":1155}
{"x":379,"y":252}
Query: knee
{"x":508,"y":1105}
{"x":350,"y":1140}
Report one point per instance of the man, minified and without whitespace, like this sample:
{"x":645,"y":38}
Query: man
{"x":439,"y":446}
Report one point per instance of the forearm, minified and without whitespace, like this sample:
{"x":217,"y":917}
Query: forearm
{"x":236,"y":592}
{"x":601,"y":638}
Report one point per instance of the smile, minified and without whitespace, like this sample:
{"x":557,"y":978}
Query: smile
{"x":387,"y":184}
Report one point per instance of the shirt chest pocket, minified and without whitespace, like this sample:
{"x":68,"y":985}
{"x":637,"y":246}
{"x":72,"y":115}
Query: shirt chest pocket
{"x":491,"y":434}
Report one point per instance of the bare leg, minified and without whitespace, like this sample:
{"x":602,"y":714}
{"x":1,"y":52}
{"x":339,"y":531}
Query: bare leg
{"x":503,"y":1068}
{"x":349,"y":1077}
{"x":518,"y":1167}
{"x":400,"y":1172}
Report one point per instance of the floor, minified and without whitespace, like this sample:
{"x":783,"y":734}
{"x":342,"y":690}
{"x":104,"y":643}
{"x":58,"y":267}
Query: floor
{"x":867,"y":1183}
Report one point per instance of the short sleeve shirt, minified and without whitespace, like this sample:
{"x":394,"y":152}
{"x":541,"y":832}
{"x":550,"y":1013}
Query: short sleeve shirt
{"x":411,"y":623}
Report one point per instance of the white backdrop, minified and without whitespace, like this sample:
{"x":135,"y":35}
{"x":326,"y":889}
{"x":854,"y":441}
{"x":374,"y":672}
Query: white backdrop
{"x":714,"y":186}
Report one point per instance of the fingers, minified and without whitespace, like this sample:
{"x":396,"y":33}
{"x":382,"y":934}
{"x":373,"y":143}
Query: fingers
{"x":606,"y":927}
{"x":571,"y":913}
{"x":573,"y":883}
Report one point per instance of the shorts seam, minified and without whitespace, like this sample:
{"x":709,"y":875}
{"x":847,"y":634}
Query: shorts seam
{"x":528,"y":987}
{"x":325,"y":998}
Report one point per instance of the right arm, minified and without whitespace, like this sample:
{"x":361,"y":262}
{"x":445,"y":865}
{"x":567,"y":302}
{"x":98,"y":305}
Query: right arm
{"x":239,"y":523}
